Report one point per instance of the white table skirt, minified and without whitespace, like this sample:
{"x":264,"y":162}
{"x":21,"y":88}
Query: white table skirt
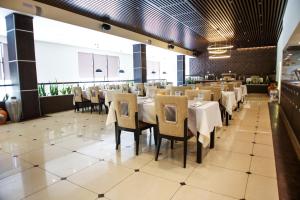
{"x":229,"y":101}
{"x":238,"y":93}
{"x":202,"y":119}
{"x":244,"y":90}
{"x":109,"y":95}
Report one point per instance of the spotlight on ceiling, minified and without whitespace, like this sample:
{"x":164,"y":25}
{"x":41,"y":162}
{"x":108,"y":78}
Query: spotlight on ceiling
{"x":153,"y":72}
{"x":170,"y":45}
{"x":149,"y":42}
{"x":98,"y":70}
{"x":106,"y":27}
{"x":164,"y":72}
{"x":121,"y":71}
{"x":196,"y":53}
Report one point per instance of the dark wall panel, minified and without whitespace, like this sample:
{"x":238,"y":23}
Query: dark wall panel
{"x":260,"y":61}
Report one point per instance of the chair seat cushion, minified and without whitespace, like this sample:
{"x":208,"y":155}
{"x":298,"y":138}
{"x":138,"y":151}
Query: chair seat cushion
{"x":190,"y":133}
{"x":144,"y":125}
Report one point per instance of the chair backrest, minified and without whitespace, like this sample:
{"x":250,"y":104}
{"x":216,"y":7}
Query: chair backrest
{"x":216,"y":90}
{"x":238,"y":84}
{"x":192,"y":94}
{"x":172,"y":113}
{"x":180,"y":89}
{"x":206,"y":94}
{"x":230,"y":86}
{"x":94,"y":94}
{"x":163,"y":92}
{"x":124,"y":88}
{"x":139,"y":89}
{"x":126,"y":110}
{"x":77,"y":92}
{"x":151,"y":91}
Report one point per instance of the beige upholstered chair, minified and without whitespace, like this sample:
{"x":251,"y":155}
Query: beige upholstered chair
{"x":238,"y":84}
{"x":78,"y":99}
{"x":151,"y":91}
{"x":216,"y":90}
{"x":192,"y":94}
{"x":139,"y":89}
{"x":206,"y":94}
{"x":126,"y":109}
{"x":230,"y":86}
{"x":162,"y":92}
{"x":180,"y":89}
{"x":171,"y":116}
{"x":124,"y":88}
{"x":94,"y":94}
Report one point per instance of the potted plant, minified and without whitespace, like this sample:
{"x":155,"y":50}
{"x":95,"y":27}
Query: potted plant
{"x":41,"y":90}
{"x":63,"y":91}
{"x":53,"y":89}
{"x":69,"y":89}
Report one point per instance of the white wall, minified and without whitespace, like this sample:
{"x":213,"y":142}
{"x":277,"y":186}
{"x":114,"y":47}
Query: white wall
{"x":290,"y":21}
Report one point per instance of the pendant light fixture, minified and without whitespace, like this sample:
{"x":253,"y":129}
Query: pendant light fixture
{"x":219,"y":51}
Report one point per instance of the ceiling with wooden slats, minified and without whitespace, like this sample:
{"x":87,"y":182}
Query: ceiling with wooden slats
{"x":191,"y":24}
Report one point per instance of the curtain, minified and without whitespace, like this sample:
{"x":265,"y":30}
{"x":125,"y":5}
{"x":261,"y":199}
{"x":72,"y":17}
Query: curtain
{"x":109,"y":66}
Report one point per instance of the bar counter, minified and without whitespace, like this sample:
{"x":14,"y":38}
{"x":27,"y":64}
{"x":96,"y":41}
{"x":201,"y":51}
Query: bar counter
{"x":290,"y":104}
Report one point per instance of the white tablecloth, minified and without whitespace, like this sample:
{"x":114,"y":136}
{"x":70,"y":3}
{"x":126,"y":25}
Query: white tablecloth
{"x":244,"y":90}
{"x":229,"y":101}
{"x":238,"y":93}
{"x":109,"y":95}
{"x":202,"y":118}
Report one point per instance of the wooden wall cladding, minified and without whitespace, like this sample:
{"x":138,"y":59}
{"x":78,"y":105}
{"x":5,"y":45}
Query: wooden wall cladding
{"x":261,"y":61}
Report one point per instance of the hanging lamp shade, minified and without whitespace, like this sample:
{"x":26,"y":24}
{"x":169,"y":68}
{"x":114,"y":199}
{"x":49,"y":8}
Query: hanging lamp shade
{"x":98,"y":70}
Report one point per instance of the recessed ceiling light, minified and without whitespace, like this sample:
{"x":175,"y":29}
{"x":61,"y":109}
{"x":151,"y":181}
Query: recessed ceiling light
{"x":290,"y":54}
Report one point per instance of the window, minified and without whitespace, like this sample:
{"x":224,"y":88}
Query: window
{"x":4,"y":66}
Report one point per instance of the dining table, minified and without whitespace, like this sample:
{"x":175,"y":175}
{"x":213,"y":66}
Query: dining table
{"x":244,"y":92}
{"x":228,"y":100}
{"x":203,"y":116}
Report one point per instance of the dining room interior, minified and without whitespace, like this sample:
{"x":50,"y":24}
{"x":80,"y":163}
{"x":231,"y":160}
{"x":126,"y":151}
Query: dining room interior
{"x":149,"y":99}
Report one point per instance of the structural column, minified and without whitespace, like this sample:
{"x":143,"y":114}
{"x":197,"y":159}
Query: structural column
{"x":21,"y":57}
{"x":139,"y":63}
{"x":180,"y":70}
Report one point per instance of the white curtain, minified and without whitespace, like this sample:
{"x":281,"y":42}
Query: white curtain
{"x":109,"y":66}
{"x":153,"y":66}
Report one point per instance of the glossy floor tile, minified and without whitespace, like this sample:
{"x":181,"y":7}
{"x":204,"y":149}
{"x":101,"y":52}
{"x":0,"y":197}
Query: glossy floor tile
{"x":72,"y":155}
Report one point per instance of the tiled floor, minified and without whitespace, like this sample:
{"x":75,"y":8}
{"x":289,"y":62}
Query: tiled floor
{"x":72,"y":156}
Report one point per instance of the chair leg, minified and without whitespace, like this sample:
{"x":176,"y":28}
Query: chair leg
{"x":199,"y":149}
{"x":184,"y":152}
{"x":157,"y":147}
{"x":212,"y":139}
{"x":172,"y":144}
{"x":119,"y":134}
{"x":137,"y":141}
{"x":155,"y":134}
{"x":117,"y":140}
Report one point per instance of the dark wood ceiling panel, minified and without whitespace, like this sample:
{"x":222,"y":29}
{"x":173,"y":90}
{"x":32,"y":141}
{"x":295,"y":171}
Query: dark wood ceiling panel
{"x":192,"y":24}
{"x":246,"y":23}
